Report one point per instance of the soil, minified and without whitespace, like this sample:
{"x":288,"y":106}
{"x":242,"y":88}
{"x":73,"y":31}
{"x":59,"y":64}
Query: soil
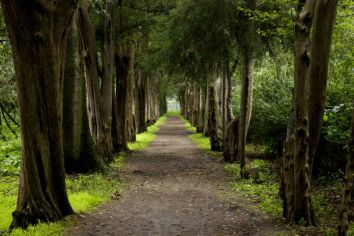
{"x":175,"y":189}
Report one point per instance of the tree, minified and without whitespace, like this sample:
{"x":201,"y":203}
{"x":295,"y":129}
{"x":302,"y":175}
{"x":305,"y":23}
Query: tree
{"x":38,"y":30}
{"x":80,"y":153}
{"x":99,"y":83}
{"x":313,"y":32}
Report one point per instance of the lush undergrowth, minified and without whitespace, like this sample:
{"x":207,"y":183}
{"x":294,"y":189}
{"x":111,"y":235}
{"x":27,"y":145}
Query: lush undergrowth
{"x":262,"y":188}
{"x":86,"y":192}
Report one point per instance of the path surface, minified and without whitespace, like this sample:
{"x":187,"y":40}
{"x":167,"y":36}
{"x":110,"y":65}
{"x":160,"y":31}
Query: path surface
{"x":174,"y":189}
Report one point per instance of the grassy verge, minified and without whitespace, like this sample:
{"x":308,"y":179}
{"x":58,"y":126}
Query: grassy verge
{"x":85,"y":192}
{"x":200,"y":140}
{"x":144,"y":139}
{"x":262,"y":188}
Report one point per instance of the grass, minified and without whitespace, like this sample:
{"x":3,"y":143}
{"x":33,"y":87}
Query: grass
{"x":262,"y":188}
{"x":85,"y":192}
{"x":144,"y":139}
{"x":200,"y":140}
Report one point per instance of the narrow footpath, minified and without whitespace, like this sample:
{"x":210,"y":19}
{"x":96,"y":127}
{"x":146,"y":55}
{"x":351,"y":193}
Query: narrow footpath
{"x":174,"y":189}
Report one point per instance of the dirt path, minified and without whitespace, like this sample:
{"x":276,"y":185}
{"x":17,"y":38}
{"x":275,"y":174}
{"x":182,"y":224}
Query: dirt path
{"x":176,"y":190}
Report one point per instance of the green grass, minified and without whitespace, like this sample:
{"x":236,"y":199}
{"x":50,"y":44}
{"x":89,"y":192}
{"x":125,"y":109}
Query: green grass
{"x":262,"y":189}
{"x":200,"y":140}
{"x":173,"y":113}
{"x":144,"y":139}
{"x":85,"y":192}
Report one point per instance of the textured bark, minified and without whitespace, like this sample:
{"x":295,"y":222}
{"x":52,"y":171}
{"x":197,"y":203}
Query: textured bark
{"x":245,"y":109}
{"x":348,"y":185}
{"x":79,"y":150}
{"x":124,"y":91}
{"x":231,"y":141}
{"x":318,"y":73}
{"x":100,"y":117}
{"x":141,"y":103}
{"x":296,"y":173}
{"x":200,"y":127}
{"x":206,"y":112}
{"x":38,"y":31}
{"x":215,"y":136}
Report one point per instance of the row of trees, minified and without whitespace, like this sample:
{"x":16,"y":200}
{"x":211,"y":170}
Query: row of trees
{"x":83,"y":91}
{"x":209,"y":42}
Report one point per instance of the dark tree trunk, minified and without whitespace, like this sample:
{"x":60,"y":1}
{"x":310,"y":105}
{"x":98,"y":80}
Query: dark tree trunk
{"x":311,"y":69}
{"x":38,"y":34}
{"x":100,"y":118}
{"x":79,"y":150}
{"x":245,"y":110}
{"x":231,"y":141}
{"x":141,"y":103}
{"x":214,"y":136}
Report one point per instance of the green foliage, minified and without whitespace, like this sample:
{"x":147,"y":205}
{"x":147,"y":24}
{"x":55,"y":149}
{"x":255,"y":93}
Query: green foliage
{"x":263,"y":190}
{"x":272,"y":100}
{"x":10,"y":153}
{"x":336,"y":124}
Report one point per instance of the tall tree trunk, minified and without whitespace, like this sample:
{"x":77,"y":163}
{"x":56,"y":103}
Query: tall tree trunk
{"x":98,"y":119}
{"x":215,"y":136}
{"x":200,"y":127}
{"x":245,"y":110}
{"x":141,"y":102}
{"x":79,"y":150}
{"x":302,"y":199}
{"x":107,"y":75}
{"x":320,"y":48}
{"x":38,"y":31}
{"x":206,"y":111}
{"x":348,"y":185}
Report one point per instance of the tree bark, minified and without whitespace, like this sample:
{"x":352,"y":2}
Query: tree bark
{"x":38,"y":31}
{"x":100,"y":117}
{"x":318,"y":73}
{"x":245,"y":110}
{"x":348,"y":185}
{"x":79,"y":151}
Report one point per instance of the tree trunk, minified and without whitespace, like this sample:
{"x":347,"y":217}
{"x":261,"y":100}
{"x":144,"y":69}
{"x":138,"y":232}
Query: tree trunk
{"x":348,"y":185}
{"x":141,"y":103}
{"x":98,"y":119}
{"x":245,"y":110}
{"x":38,"y":34}
{"x":318,"y":73}
{"x":298,"y":202}
{"x":213,"y":130}
{"x":79,"y":150}
{"x":231,"y":141}
{"x":206,"y":112}
{"x":200,"y":127}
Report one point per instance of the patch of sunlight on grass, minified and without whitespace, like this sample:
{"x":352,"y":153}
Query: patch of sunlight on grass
{"x":201,"y":141}
{"x":85,"y":192}
{"x":119,"y":161}
{"x":8,"y":198}
{"x":46,"y":229}
{"x":144,"y":139}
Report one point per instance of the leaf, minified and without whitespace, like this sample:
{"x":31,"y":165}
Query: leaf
{"x":325,"y":118}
